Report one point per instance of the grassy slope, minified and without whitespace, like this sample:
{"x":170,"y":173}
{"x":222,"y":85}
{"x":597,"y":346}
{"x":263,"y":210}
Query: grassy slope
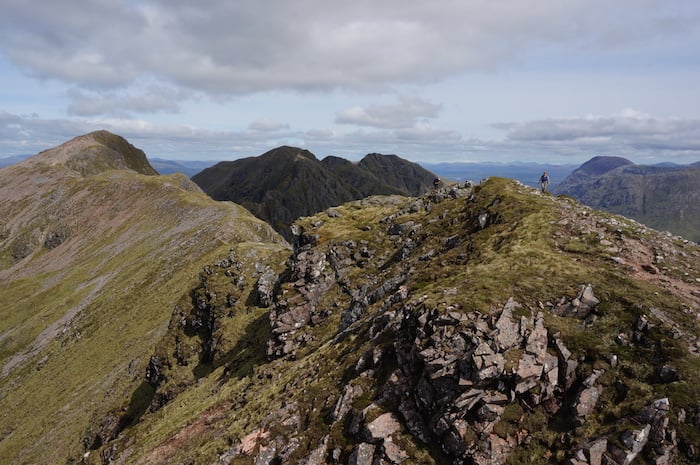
{"x":537,"y":249}
{"x":78,"y":322}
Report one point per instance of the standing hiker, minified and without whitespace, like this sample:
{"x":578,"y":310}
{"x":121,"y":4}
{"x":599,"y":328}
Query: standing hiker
{"x":544,"y":181}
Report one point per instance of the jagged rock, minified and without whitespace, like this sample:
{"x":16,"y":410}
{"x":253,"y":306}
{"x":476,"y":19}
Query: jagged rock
{"x":318,"y":455}
{"x":362,"y":454}
{"x":490,"y":412}
{"x":393,"y":453}
{"x":668,"y":373}
{"x":451,"y":242}
{"x":579,"y":307}
{"x":403,"y":229}
{"x":642,"y":323}
{"x":488,"y":363}
{"x":567,"y":366}
{"x":344,"y":404}
{"x":266,"y":455}
{"x":300,"y":238}
{"x":154,"y":371}
{"x":382,"y":427}
{"x":633,"y":442}
{"x":585,"y":403}
{"x":508,"y":335}
{"x":109,"y":428}
{"x":483,"y":219}
{"x":537,"y":341}
{"x":592,"y":378}
{"x":661,"y":438}
{"x":494,"y":450}
{"x":528,"y":373}
{"x":265,"y":287}
{"x":594,"y":450}
{"x":590,"y":453}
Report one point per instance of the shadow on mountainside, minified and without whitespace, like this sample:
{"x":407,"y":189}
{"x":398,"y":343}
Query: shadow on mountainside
{"x":240,"y":360}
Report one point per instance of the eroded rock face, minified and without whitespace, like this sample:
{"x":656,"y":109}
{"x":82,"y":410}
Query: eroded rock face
{"x":459,"y":373}
{"x":310,"y":277}
{"x":653,"y":436}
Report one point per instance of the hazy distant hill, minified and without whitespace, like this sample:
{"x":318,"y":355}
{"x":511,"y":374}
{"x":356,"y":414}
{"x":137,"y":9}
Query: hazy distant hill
{"x":665,"y":198}
{"x":11,"y":160}
{"x":187,"y":167}
{"x":527,"y":173}
{"x":288,"y":182}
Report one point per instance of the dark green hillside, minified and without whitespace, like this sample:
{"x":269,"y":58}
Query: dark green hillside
{"x":287,"y":182}
{"x":409,"y":178}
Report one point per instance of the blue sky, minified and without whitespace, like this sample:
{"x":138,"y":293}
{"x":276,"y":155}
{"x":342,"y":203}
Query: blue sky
{"x":556,"y":81}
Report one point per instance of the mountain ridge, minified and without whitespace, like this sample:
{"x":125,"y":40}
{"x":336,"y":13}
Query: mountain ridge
{"x":142,"y":322}
{"x":663,"y":197}
{"x":417,"y":330}
{"x":288,"y":182}
{"x":92,"y":261}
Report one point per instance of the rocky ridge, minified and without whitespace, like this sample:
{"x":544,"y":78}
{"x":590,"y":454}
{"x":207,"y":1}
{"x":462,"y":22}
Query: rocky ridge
{"x":423,"y":330}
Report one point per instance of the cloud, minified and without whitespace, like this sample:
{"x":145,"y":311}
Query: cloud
{"x":629,"y":125}
{"x":267,"y":125}
{"x":154,"y":99}
{"x":406,"y":113}
{"x":638,"y":137}
{"x":220,"y":47}
{"x":629,"y":133}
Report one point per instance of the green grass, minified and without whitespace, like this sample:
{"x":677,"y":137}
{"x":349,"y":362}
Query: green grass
{"x":136,"y":246}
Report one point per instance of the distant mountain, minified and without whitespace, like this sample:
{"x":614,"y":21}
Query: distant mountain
{"x":527,"y":173}
{"x":95,"y":251}
{"x":665,"y":198}
{"x":288,"y":182}
{"x":11,"y":160}
{"x":187,"y":167}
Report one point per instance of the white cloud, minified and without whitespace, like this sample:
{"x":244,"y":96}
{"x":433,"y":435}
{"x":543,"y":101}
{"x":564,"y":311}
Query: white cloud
{"x":638,"y":137}
{"x":154,"y":99}
{"x":629,"y":125}
{"x":224,"y":47}
{"x":406,"y":113}
{"x":267,"y":125}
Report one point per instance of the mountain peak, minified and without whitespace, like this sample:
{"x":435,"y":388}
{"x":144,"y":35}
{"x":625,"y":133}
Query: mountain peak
{"x":96,"y":152}
{"x":287,"y":152}
{"x":602,"y":164}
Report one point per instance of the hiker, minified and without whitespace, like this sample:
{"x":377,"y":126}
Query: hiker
{"x":436,"y":183}
{"x":544,"y":181}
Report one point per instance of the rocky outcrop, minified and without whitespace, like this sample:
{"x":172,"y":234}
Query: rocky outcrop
{"x":464,"y":372}
{"x":652,"y":435}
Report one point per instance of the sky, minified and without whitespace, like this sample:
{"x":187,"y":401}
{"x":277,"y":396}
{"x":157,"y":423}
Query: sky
{"x":548,"y":81}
